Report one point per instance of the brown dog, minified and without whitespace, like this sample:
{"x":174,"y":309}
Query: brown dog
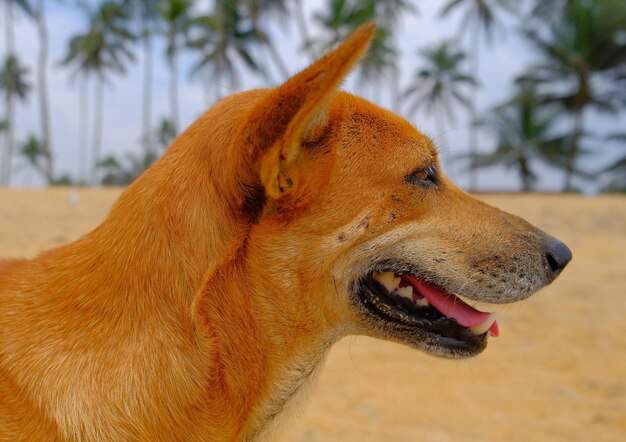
{"x":280,"y":221}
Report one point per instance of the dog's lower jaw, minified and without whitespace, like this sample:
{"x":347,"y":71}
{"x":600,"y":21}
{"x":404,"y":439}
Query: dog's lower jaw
{"x":424,"y":328}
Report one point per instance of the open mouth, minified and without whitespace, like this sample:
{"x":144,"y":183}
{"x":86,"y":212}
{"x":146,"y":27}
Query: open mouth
{"x":408,"y":301}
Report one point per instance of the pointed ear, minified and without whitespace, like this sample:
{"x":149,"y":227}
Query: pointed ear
{"x":281,"y":120}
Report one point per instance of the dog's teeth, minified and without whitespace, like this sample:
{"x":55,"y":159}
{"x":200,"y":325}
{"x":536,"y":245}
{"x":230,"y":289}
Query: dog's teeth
{"x":388,"y":280}
{"x":380,"y":276}
{"x":482,"y":328}
{"x":421,"y":302}
{"x":406,"y":292}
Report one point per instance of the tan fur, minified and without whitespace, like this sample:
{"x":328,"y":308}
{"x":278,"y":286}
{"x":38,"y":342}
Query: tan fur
{"x":213,"y":290}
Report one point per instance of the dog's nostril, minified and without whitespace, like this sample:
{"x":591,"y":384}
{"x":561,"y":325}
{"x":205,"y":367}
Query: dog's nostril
{"x":558,"y":255}
{"x":552,"y":263}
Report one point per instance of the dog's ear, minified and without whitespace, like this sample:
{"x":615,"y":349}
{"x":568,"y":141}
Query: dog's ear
{"x":296,"y":110}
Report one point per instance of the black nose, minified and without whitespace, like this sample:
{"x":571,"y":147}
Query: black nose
{"x":558,"y":255}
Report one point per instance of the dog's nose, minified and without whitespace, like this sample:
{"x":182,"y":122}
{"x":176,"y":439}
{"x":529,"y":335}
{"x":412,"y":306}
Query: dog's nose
{"x":558,"y":255}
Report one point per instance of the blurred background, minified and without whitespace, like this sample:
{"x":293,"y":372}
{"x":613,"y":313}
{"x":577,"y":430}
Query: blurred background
{"x":519,"y":95}
{"x":525,"y":95}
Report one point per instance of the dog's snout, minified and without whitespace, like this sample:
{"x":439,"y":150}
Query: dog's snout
{"x":558,"y":255}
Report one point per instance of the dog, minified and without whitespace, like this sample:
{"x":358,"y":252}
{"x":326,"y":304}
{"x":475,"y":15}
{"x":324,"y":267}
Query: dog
{"x":280,"y":221}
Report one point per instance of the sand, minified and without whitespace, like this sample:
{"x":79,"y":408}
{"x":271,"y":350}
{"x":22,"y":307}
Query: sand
{"x":557,"y":372}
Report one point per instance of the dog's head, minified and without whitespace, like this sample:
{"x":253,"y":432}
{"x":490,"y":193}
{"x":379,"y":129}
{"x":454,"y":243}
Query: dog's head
{"x":356,"y":227}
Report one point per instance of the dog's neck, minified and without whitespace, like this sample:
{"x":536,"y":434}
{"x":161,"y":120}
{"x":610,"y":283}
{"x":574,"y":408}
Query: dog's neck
{"x":167,"y":245}
{"x":136,"y":275}
{"x":172,"y":226}
{"x":279,"y":349}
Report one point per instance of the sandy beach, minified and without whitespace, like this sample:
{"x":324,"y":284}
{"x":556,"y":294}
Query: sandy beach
{"x":556,"y":373}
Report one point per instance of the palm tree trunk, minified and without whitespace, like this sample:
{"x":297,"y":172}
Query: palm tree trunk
{"x":83,"y":130}
{"x":5,"y":178}
{"x":473,"y":135}
{"x":525,"y":174}
{"x":9,"y":142}
{"x":42,"y":66}
{"x":572,"y":152}
{"x":147,"y":88}
{"x":29,"y":176}
{"x":97,"y":127}
{"x":173,"y":66}
{"x":207,"y":87}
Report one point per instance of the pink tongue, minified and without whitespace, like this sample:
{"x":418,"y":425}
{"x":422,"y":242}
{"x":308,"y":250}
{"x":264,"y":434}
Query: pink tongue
{"x":450,"y":305}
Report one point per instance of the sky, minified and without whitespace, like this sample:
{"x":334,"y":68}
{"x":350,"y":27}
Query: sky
{"x":499,"y":64}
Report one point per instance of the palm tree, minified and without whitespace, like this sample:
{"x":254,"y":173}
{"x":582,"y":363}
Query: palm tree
{"x":13,"y":85}
{"x":223,"y":41}
{"x":388,"y":14}
{"x":380,"y":61}
{"x":583,"y":60}
{"x":523,"y":127}
{"x":440,"y":85}
{"x":36,"y":11}
{"x":160,"y":138}
{"x":24,"y":5}
{"x":36,"y":157}
{"x":118,"y":172}
{"x":479,"y":19}
{"x":4,"y":126}
{"x":389,"y":11}
{"x":83,"y":128}
{"x":298,"y":11}
{"x":103,"y":48}
{"x":175,"y":14}
{"x":163,"y":136}
{"x":260,"y":12}
{"x":39,"y":14}
{"x":339,"y":19}
{"x":342,"y":17}
{"x":146,"y":12}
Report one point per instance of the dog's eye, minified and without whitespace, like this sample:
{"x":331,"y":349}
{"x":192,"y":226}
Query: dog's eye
{"x":424,"y":176}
